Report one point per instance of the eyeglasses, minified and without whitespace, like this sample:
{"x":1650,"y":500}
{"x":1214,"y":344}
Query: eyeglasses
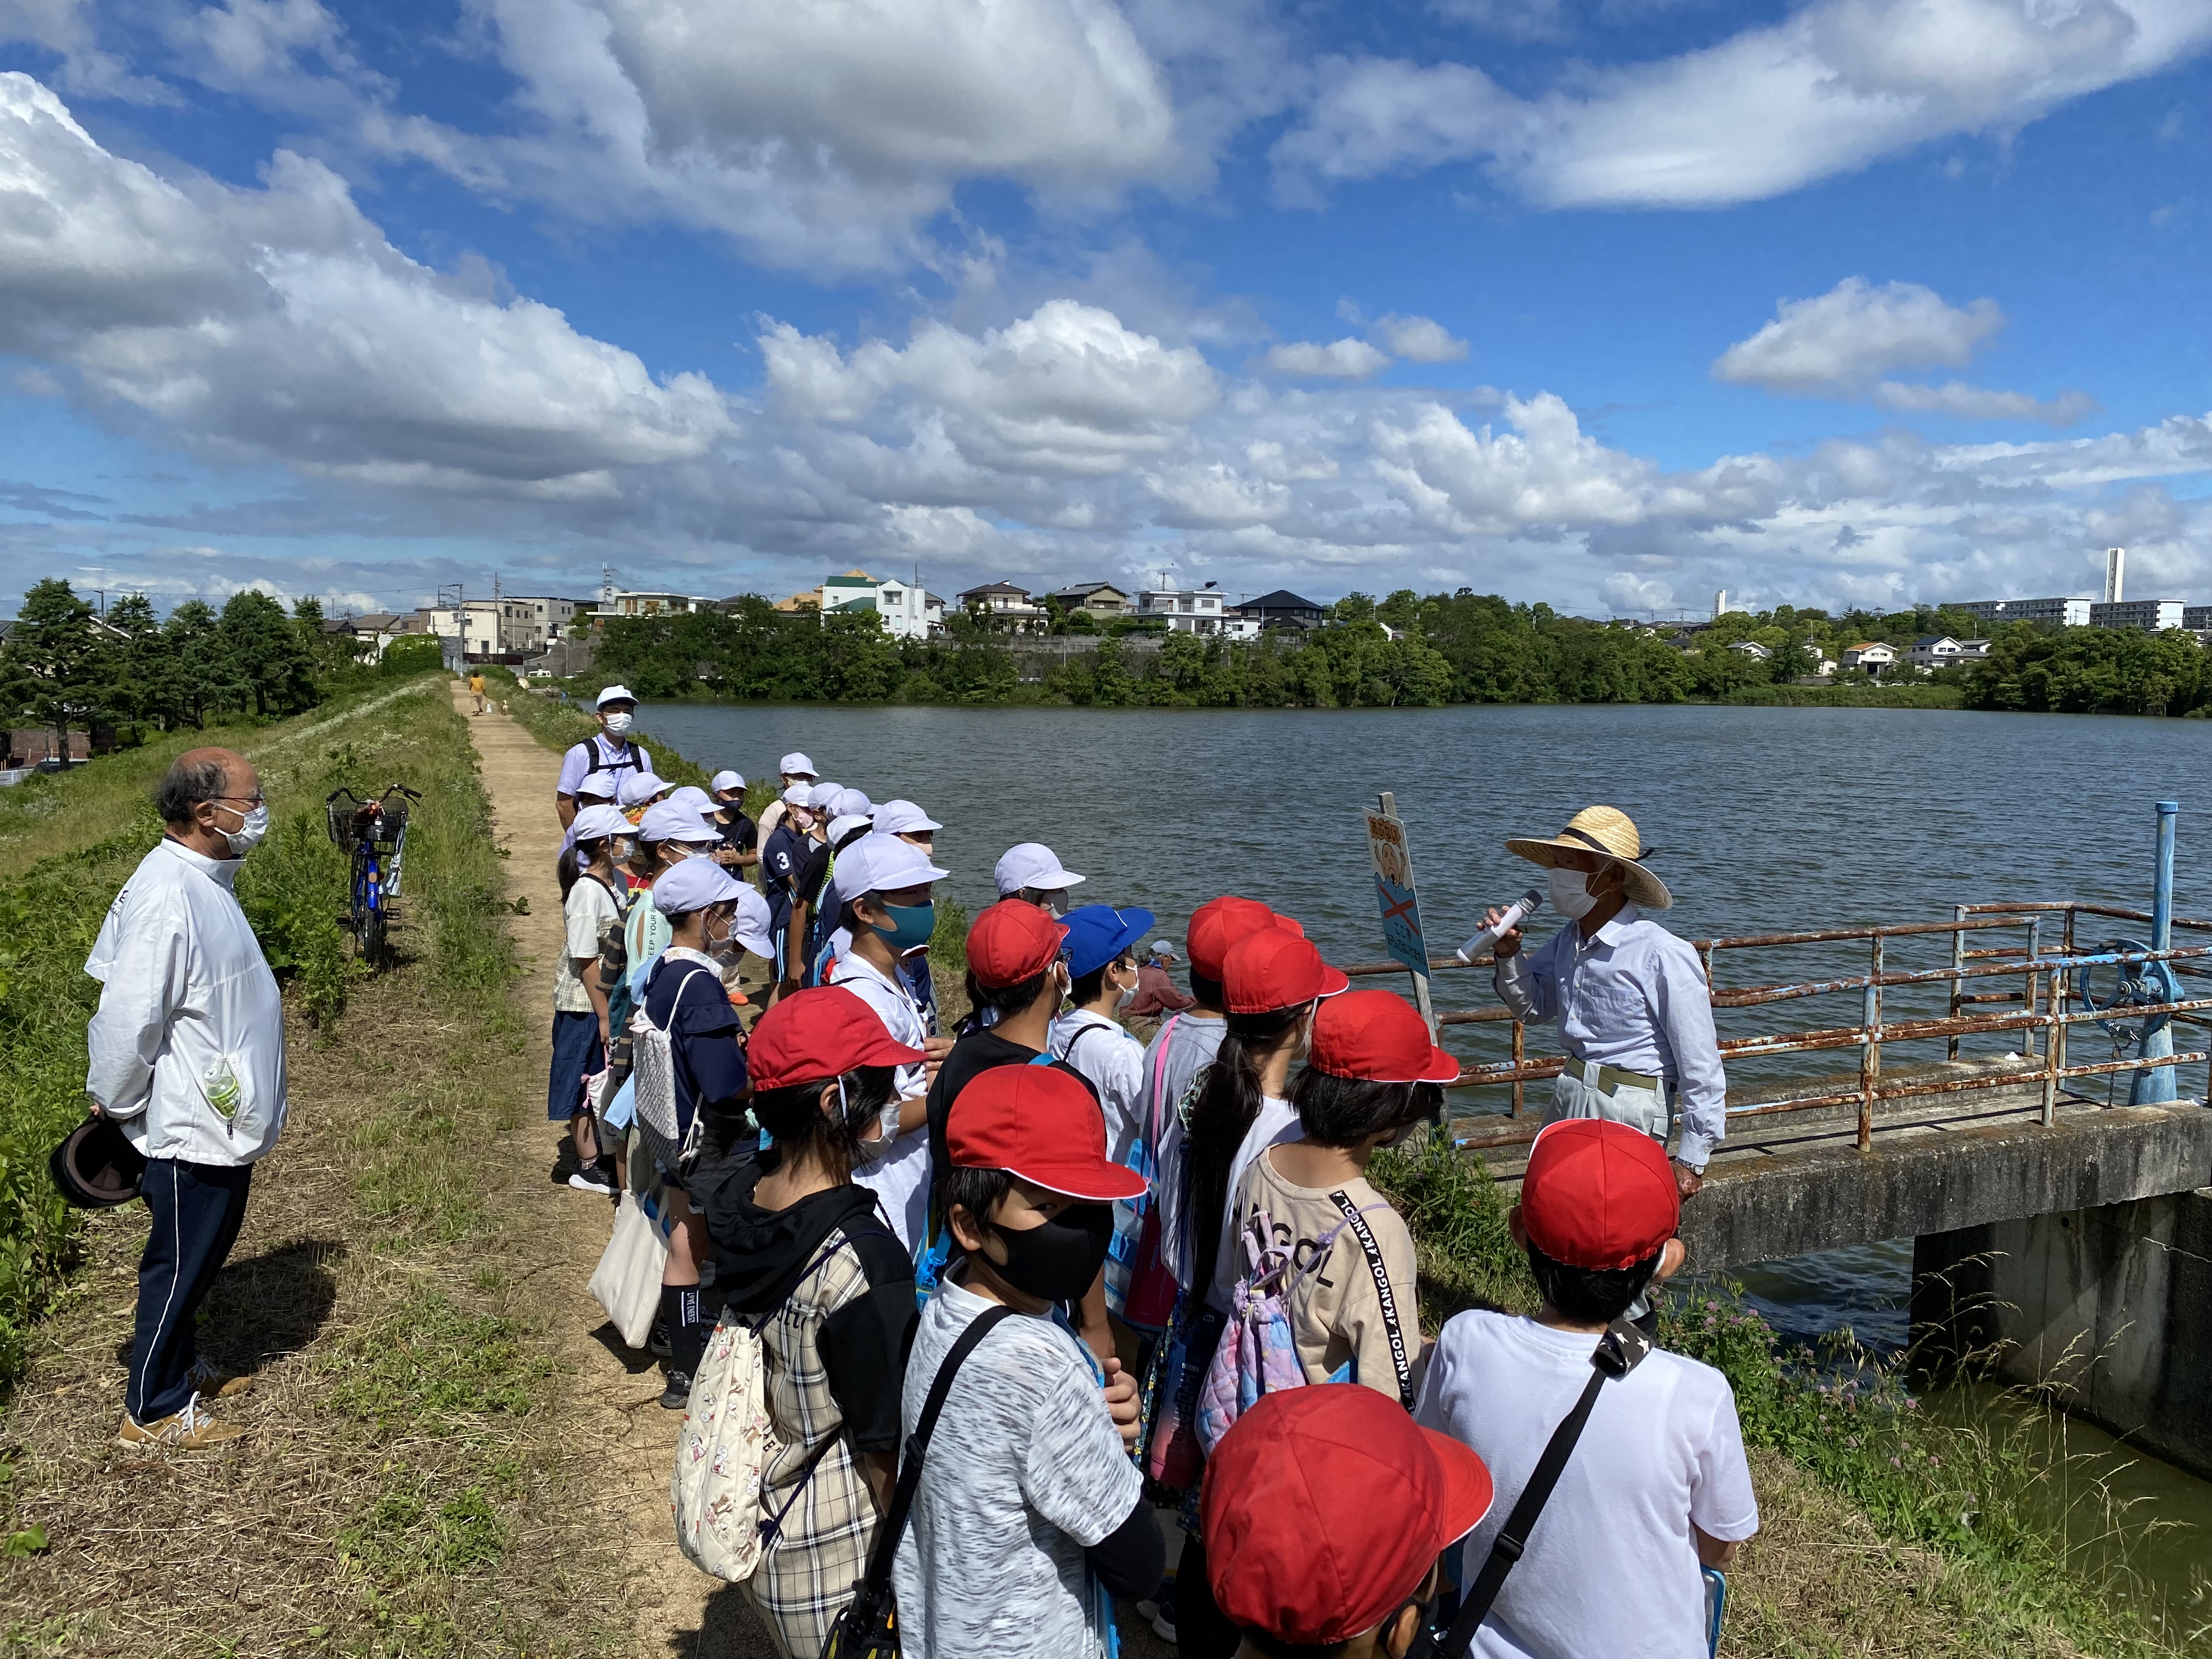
{"x":256,"y":798}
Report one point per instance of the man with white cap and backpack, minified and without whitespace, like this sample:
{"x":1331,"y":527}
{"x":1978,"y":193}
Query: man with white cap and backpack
{"x":889,"y":907}
{"x":607,"y":750}
{"x":1634,"y":1010}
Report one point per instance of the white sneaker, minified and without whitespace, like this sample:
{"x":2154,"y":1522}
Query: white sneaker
{"x":188,"y":1430}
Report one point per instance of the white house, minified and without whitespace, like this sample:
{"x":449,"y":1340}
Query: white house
{"x":1872,"y":655}
{"x":904,"y":606}
{"x":1003,"y":600}
{"x":638,"y":602}
{"x":477,"y":623}
{"x":1185,"y":610}
{"x":1935,"y":651}
{"x":1753,"y":649}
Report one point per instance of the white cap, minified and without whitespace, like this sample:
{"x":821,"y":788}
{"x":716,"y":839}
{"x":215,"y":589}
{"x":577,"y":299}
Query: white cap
{"x":600,"y":786}
{"x":903,"y":818}
{"x":726,"y":779}
{"x":1032,"y":865}
{"x":751,"y":927}
{"x":795,"y":765}
{"x":615,"y":694}
{"x":597,"y":823}
{"x":697,"y":799}
{"x":822,"y":795}
{"x":693,"y":885}
{"x":878,"y":863}
{"x":798,"y":795}
{"x":668,"y":820}
{"x":852,"y":803}
{"x":638,"y":788}
{"x":1163,"y":947}
{"x":844,"y":825}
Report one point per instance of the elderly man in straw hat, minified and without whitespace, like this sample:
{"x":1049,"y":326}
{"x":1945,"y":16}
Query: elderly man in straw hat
{"x":1635,"y":1013}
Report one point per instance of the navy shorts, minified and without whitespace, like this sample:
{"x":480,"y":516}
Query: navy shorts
{"x":576,"y":1054}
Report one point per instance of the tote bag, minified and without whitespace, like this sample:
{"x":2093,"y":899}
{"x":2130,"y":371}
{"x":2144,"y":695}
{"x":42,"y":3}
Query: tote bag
{"x":627,"y":1281}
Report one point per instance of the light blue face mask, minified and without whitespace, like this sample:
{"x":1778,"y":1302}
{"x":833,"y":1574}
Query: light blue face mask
{"x":911,"y":926}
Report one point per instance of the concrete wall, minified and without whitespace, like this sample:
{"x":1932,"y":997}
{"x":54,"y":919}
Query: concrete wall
{"x":2110,"y":1307}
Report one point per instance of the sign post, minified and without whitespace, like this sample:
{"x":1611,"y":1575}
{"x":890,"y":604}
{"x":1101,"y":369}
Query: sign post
{"x":1394,"y":897}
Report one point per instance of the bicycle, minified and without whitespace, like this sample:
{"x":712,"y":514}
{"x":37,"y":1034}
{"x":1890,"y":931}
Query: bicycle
{"x":374,"y":835}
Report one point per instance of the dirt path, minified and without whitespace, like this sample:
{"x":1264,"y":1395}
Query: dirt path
{"x":609,"y":1401}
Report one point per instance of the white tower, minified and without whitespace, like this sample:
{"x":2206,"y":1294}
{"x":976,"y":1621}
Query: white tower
{"x":2116,"y":564}
{"x":1720,"y":605}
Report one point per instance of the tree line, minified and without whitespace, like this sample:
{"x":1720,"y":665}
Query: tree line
{"x":66,"y":666}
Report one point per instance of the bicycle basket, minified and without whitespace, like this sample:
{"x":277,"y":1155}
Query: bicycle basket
{"x":392,"y":822}
{"x":341,"y":808}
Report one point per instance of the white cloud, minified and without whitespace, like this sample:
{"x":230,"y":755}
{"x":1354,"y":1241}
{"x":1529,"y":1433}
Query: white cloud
{"x":280,"y":323}
{"x":1838,"y":343}
{"x":1623,"y":591}
{"x":1836,"y":86}
{"x":1419,"y":339}
{"x":1975,"y":403}
{"x":1214,"y":495}
{"x":1340,"y":360}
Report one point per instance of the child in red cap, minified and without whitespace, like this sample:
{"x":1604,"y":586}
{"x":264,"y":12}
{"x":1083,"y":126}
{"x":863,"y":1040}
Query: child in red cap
{"x":1029,"y":1512}
{"x":1371,"y":1078}
{"x":1327,"y":1510}
{"x":1657,"y":1484}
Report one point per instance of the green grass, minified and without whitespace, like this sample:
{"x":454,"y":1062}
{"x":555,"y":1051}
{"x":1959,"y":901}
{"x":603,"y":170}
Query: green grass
{"x":430,"y":1370}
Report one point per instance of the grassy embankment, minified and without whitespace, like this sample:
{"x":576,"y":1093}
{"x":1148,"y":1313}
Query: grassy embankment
{"x":1886,"y":1531}
{"x":401,"y":1489}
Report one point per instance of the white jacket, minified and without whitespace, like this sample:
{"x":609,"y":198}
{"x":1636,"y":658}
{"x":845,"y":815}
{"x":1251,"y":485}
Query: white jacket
{"x":186,"y":994}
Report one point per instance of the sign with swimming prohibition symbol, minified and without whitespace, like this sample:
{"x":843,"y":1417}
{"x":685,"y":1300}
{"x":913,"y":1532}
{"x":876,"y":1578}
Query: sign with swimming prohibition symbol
{"x":1394,"y":896}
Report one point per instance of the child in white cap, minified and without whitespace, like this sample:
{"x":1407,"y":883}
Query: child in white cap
{"x":1032,"y":872}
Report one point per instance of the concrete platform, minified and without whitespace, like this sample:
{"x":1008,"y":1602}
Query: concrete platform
{"x":1796,"y":1183}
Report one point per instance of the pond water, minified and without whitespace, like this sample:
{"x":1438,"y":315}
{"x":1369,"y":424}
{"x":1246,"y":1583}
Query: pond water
{"x":1764,"y":820}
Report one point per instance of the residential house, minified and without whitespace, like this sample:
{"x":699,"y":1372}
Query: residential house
{"x":1871,"y":655}
{"x":476,"y":624}
{"x":625,"y":602}
{"x":1284,"y":609}
{"x":1101,"y":601}
{"x":1003,"y":601}
{"x":904,"y":606}
{"x":1935,"y":651}
{"x":1185,"y":610}
{"x":1753,"y":649}
{"x":527,"y":622}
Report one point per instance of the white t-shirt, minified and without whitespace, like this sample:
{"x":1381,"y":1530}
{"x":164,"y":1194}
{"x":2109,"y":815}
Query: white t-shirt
{"x":901,"y":1176}
{"x":1025,"y":1472}
{"x":1115,"y":1062}
{"x":588,"y":910}
{"x":1277,"y":1122}
{"x":1611,"y":1567}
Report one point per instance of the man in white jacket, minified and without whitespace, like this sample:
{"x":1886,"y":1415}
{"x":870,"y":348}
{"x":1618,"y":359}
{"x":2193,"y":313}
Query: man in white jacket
{"x":187,"y":1054}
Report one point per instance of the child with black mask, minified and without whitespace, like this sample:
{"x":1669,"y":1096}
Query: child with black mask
{"x":1029,"y":1515}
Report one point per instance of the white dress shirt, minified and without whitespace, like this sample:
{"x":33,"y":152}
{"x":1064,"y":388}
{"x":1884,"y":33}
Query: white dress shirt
{"x":185,"y":995}
{"x":1633,"y":997}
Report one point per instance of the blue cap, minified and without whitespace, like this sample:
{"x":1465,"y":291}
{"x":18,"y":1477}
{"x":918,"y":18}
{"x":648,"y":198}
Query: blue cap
{"x":1098,"y":934}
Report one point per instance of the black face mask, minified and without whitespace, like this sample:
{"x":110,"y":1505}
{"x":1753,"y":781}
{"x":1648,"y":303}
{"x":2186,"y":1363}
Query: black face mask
{"x":1059,"y":1259}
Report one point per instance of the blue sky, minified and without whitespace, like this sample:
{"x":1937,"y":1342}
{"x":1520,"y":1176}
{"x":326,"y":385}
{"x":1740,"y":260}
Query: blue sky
{"x":1603,"y":302}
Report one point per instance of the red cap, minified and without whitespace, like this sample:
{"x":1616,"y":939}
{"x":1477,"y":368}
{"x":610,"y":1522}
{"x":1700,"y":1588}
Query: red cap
{"x":812,"y":1036}
{"x":1274,"y":968}
{"x":1598,"y":1194}
{"x":1011,"y":941}
{"x":1325,"y":1508}
{"x":1219,"y":923}
{"x":1042,"y":1124}
{"x":1378,"y":1036}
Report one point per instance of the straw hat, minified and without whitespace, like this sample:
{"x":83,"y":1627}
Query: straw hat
{"x":1611,"y":833}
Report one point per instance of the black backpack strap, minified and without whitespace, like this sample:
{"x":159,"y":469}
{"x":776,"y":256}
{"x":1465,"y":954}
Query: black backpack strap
{"x":1619,"y":1353}
{"x":1401,"y":1361}
{"x":874,"y":1593}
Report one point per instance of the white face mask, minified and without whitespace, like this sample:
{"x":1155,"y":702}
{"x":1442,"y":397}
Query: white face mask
{"x":619,"y":724}
{"x":252,"y":827}
{"x":1570,"y":895}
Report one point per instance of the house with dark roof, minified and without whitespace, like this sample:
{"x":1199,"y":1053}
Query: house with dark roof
{"x":1283,"y":609}
{"x":1102,"y":599}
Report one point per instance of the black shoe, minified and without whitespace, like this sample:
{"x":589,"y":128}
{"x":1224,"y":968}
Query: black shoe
{"x":677,"y":1397}
{"x":593,"y":1180}
{"x":565,"y":1162}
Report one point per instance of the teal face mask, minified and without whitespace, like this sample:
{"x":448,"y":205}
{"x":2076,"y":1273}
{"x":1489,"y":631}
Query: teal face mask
{"x":911,"y":926}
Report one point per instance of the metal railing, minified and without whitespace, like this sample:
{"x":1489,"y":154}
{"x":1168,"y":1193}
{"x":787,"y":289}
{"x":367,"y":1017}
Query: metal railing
{"x":1978,"y":1003}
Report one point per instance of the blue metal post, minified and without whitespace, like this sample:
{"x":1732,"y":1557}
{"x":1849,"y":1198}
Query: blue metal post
{"x":2155,"y":1083}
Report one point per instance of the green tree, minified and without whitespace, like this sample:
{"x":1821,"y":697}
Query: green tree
{"x":145,"y":681}
{"x":56,"y":670}
{"x":265,"y":645}
{"x":206,"y":676}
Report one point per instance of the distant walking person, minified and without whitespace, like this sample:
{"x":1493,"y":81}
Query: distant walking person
{"x":476,"y":688}
{"x":187,"y":1054}
{"x":607,"y":750}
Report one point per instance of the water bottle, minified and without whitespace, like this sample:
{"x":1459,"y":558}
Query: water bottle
{"x":220,"y":1085}
{"x":1515,"y":914}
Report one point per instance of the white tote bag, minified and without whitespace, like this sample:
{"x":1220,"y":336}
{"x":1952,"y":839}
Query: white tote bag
{"x":627,"y":1281}
{"x":724,"y":1446}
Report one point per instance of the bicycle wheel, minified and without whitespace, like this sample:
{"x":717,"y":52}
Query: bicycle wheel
{"x":376,"y":945}
{"x":357,"y":905}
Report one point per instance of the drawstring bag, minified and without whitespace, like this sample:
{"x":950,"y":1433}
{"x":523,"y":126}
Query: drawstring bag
{"x":1139,"y":1289}
{"x":724,"y":1446}
{"x":653,"y":1069}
